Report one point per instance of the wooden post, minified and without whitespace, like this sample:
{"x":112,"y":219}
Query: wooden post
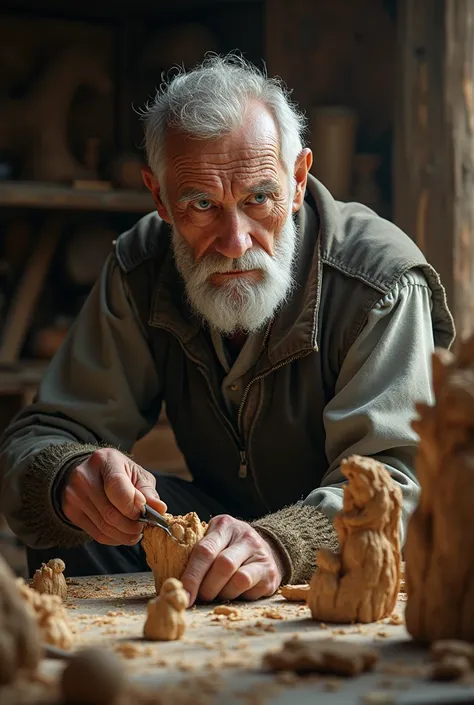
{"x":434,"y":142}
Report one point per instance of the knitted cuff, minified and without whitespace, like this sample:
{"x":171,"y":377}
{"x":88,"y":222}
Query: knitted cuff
{"x":298,"y":531}
{"x":39,"y":487}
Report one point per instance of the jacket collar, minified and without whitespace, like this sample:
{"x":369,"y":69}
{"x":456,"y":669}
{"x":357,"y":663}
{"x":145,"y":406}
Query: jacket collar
{"x":295,"y":326}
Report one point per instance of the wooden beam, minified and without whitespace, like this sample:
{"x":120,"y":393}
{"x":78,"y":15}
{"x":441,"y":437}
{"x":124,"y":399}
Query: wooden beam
{"x":31,"y":194}
{"x":434,"y":142}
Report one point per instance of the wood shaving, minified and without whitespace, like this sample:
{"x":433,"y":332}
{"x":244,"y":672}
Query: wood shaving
{"x":378,"y":698}
{"x":342,"y":658}
{"x":287,"y":677}
{"x":396,"y":618}
{"x":231,"y":613}
{"x":272,"y":613}
{"x":332,"y":686}
{"x":129,"y":650}
{"x":295,"y":593}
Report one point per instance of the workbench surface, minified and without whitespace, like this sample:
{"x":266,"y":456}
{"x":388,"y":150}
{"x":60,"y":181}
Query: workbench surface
{"x":226,"y":655}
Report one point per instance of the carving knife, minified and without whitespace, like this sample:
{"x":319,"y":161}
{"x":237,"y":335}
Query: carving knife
{"x":153,"y":518}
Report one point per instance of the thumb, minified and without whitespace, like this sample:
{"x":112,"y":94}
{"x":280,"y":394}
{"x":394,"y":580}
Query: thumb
{"x":122,"y":493}
{"x":145,"y":484}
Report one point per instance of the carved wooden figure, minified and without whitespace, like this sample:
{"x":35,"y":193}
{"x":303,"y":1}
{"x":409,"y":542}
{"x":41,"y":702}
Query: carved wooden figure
{"x":165,"y":613}
{"x":50,"y":614}
{"x":361,"y":582}
{"x":19,"y":638}
{"x":168,"y":556}
{"x":50,"y":580}
{"x":439,"y":551}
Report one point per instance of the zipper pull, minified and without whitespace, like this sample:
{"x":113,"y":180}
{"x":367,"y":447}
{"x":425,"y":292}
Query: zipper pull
{"x":243,"y":465}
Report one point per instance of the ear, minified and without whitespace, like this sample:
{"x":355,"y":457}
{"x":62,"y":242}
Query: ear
{"x":153,"y":186}
{"x":302,"y":166}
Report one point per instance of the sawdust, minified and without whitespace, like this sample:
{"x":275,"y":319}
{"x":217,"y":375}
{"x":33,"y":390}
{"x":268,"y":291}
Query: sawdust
{"x":272,"y":613}
{"x":233,"y":614}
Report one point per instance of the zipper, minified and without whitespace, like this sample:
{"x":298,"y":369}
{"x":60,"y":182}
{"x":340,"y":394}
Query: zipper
{"x":243,"y":465}
{"x":244,"y":459}
{"x":238,"y":437}
{"x":242,"y":473}
{"x":259,"y":377}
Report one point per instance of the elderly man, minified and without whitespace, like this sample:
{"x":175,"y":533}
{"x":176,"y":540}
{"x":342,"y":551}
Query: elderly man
{"x":282,"y":329}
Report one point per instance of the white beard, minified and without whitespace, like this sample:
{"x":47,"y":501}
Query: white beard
{"x":239,"y":304}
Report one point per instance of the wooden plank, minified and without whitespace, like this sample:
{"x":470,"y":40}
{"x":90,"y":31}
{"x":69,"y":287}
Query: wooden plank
{"x":27,"y":194}
{"x":434,"y":137}
{"x":110,"y":611}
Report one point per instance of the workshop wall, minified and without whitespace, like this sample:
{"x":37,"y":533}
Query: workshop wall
{"x":72,"y":76}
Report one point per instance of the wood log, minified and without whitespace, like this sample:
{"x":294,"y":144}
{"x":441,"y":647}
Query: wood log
{"x":434,"y":134}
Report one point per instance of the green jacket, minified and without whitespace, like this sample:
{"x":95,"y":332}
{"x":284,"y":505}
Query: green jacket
{"x":337,"y":371}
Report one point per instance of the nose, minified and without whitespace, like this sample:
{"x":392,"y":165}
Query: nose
{"x":233,"y":239}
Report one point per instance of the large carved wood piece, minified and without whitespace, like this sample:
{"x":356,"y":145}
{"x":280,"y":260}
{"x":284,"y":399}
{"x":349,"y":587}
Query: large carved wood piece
{"x":439,"y":550}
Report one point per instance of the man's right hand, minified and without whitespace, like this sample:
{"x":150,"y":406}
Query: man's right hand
{"x":105,"y":495}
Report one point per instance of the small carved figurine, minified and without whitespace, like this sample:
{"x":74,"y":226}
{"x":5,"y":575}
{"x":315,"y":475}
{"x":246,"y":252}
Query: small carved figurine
{"x":50,"y":580}
{"x":439,"y":573}
{"x":19,"y":639}
{"x":361,"y":582}
{"x":50,"y":614}
{"x":92,"y":677}
{"x":165,"y":613}
{"x":167,"y":556}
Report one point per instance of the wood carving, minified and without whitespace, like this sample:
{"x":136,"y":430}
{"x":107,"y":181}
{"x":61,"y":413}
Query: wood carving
{"x":165,"y":613}
{"x":19,"y":639}
{"x":439,"y":575}
{"x":36,"y":127}
{"x":168,"y":556}
{"x":50,"y":615}
{"x":50,"y":580}
{"x":361,"y":582}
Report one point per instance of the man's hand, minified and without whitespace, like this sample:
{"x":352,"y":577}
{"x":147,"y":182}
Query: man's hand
{"x":232,"y":560}
{"x":105,"y":494}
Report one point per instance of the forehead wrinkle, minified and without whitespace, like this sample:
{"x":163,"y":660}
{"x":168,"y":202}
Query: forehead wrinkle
{"x":241,"y":172}
{"x":224,"y":159}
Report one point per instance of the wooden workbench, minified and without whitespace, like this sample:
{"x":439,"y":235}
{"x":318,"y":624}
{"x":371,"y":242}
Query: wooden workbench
{"x":110,"y":611}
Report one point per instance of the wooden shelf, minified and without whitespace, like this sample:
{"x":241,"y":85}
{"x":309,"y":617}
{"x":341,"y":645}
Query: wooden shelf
{"x":20,"y":376}
{"x":29,"y":194}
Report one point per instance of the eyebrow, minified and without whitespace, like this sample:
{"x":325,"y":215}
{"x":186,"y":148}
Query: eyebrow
{"x":267,"y":187}
{"x":194,"y":194}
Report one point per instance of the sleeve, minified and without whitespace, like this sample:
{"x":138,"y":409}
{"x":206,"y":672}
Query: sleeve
{"x":101,"y":389}
{"x":387,"y":370}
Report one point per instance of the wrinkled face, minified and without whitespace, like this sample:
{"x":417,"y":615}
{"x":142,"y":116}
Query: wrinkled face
{"x":230,"y":205}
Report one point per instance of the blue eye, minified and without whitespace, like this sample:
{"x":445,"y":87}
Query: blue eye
{"x":203,"y":204}
{"x":260,"y":198}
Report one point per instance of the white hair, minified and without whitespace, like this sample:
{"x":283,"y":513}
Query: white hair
{"x":211,"y":100}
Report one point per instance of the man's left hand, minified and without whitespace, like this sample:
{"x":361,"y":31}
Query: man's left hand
{"x":231,"y":561}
